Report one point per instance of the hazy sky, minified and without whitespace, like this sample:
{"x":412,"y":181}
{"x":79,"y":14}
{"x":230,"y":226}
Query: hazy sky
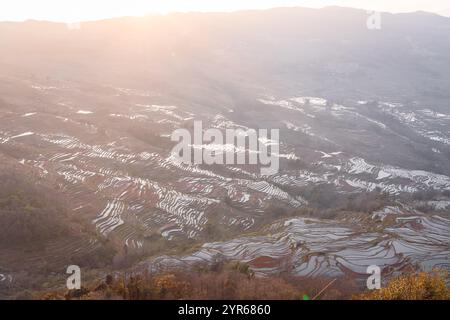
{"x":79,"y":10}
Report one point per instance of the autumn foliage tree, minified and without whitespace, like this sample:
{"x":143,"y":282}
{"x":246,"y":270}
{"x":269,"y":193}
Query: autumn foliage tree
{"x":418,"y":286}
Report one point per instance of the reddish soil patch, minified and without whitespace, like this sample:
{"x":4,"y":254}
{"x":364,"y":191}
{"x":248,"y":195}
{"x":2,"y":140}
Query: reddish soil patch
{"x":264,"y":262}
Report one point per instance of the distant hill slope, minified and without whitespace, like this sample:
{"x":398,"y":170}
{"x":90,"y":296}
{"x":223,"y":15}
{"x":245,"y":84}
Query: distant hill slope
{"x":326,"y":50}
{"x":445,"y":12}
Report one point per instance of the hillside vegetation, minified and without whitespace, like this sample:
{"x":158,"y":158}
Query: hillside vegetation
{"x":420,"y":286}
{"x":236,"y":282}
{"x":28,"y":213}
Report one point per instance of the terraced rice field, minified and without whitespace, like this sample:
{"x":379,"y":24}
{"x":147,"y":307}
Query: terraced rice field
{"x":312,"y":247}
{"x":116,"y":169}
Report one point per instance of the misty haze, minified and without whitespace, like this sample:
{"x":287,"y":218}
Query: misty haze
{"x":361,"y":181}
